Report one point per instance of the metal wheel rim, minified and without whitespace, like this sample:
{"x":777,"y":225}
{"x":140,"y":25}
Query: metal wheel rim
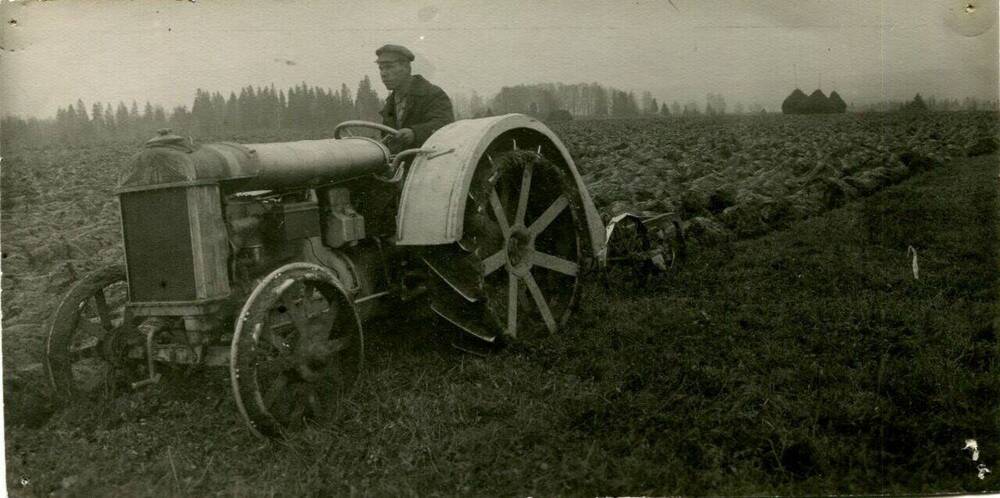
{"x":251,"y":338}
{"x":522,"y":220}
{"x":86,"y":335}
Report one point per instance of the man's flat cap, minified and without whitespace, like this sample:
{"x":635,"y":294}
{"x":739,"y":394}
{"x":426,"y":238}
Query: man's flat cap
{"x":395,"y":49}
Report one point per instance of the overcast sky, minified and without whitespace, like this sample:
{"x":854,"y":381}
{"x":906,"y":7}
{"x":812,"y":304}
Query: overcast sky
{"x":750,"y":51}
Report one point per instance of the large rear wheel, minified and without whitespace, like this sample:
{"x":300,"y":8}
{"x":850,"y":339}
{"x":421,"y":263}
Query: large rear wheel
{"x":523,"y":250}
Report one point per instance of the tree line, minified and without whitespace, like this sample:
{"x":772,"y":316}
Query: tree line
{"x":932,"y":104}
{"x":301,"y":107}
{"x":211,"y":115}
{"x":561,"y":101}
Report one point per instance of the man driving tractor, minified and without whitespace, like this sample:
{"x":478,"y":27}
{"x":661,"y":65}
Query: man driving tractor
{"x":415,"y":107}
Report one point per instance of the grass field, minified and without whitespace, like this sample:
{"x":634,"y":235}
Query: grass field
{"x":808,"y":360}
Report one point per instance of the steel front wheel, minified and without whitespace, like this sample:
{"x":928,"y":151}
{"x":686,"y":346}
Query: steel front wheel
{"x":296,"y":351}
{"x":88,"y":336}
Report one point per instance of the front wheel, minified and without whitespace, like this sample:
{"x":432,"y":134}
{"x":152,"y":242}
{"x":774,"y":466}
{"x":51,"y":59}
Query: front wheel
{"x":88,"y":336}
{"x":296,"y":351}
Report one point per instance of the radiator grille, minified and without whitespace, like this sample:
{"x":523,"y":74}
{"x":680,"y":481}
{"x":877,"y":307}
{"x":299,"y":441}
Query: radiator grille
{"x":158,"y":245}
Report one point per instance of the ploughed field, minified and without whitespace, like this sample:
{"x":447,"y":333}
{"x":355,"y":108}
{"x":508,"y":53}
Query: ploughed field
{"x":727,"y":180}
{"x":733,"y":177}
{"x":739,"y":177}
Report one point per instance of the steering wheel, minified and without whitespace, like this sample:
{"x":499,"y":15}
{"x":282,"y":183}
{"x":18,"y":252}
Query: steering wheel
{"x":356,"y":123}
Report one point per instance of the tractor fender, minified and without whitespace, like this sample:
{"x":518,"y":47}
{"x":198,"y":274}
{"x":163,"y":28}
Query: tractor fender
{"x":432,"y":205}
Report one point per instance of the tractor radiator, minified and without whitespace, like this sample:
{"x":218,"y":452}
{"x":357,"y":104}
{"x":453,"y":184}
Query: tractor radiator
{"x":175,"y":244}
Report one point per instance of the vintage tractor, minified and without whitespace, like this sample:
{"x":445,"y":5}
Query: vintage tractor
{"x":269,"y":258}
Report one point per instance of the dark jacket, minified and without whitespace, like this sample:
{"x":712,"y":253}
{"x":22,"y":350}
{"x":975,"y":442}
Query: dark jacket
{"x":427,"y":109}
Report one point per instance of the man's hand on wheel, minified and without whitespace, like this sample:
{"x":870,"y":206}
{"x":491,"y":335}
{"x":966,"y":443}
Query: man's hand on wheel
{"x":404,"y":137}
{"x":400,"y":140}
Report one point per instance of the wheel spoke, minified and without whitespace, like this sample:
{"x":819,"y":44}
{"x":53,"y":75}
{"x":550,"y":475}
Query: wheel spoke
{"x":494,"y":262}
{"x":321,"y":312}
{"x":102,"y":309}
{"x":306,"y":371}
{"x":298,"y":317}
{"x":89,"y":328}
{"x":550,"y":214}
{"x":511,"y":304}
{"x":316,"y":308}
{"x":275,"y":353}
{"x":522,"y":200}
{"x":86,"y":349}
{"x":324,"y":320}
{"x":499,"y":213}
{"x":307,"y":300}
{"x":555,"y":263}
{"x":539,"y":298}
{"x":278,"y":342}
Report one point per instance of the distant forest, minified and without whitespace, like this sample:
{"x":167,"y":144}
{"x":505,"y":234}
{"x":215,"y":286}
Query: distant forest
{"x":214,"y":115}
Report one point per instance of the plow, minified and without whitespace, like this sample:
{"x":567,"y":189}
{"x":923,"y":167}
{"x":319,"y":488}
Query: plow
{"x":270,"y":259}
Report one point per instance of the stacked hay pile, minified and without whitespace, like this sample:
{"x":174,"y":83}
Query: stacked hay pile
{"x":837,"y":104}
{"x":793,"y":102}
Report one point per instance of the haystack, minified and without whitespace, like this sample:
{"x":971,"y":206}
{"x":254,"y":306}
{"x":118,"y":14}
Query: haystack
{"x":817,"y":103}
{"x":837,"y":104}
{"x":793,"y":102}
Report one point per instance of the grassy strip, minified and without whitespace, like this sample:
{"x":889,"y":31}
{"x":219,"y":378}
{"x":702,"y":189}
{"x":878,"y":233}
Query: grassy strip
{"x":812,"y":360}
{"x":808,"y":360}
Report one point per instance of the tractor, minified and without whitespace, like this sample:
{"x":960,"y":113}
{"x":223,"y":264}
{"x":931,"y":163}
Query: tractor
{"x":269,"y":259}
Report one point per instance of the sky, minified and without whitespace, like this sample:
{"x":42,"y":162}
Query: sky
{"x":750,"y":51}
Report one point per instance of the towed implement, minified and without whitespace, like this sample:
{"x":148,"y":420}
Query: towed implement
{"x":270,"y":259}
